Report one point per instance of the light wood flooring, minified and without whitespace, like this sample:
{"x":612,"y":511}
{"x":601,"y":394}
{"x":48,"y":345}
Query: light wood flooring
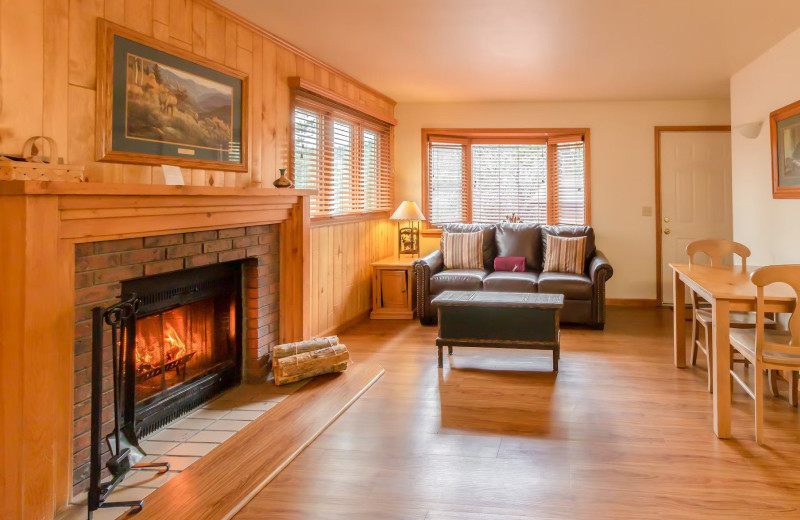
{"x":618,"y":433}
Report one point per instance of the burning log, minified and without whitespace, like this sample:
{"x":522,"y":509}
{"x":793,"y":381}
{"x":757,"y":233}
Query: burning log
{"x":291,"y":349}
{"x":290,"y":369}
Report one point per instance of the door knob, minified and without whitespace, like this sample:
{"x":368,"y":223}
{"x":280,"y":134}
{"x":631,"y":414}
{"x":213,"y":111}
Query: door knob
{"x":667,"y":231}
{"x":667,"y":220}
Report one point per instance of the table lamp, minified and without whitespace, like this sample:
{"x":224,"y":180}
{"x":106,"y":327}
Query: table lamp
{"x":408,"y":236}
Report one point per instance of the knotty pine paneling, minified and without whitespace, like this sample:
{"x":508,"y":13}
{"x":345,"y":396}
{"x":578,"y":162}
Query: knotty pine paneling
{"x":47,"y":86}
{"x":341,"y":275}
{"x":48,"y":78}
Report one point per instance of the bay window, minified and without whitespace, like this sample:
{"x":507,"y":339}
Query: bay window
{"x":484,"y":176}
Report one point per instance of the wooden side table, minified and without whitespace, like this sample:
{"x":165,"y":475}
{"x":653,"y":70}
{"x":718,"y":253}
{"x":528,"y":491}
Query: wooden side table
{"x":393,"y":289}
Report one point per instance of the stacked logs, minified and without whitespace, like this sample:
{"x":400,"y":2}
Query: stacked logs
{"x":292,"y":362}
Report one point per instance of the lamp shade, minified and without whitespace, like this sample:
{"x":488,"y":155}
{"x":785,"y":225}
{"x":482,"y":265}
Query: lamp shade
{"x":407,"y":210}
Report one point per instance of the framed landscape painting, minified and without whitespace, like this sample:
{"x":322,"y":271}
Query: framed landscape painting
{"x":158,"y":104}
{"x":785,"y":140}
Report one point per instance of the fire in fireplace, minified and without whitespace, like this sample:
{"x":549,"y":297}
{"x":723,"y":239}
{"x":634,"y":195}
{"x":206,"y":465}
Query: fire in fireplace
{"x":187,"y":341}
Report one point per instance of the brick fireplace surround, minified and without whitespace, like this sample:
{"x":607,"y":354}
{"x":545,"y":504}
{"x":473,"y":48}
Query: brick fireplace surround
{"x":100,"y":267}
{"x":65,"y":248}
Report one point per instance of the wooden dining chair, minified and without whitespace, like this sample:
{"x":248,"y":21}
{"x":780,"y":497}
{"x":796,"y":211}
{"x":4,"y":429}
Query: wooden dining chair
{"x":769,"y":349}
{"x":701,"y":313}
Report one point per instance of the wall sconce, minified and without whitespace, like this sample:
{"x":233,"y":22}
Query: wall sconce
{"x":750,"y":130}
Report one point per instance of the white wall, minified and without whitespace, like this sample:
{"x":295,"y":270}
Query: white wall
{"x":622,"y":165}
{"x":769,"y":227}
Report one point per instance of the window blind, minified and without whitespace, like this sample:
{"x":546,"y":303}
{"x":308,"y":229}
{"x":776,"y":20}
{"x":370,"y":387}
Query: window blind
{"x":309,"y":159}
{"x":568,"y":181}
{"x":509,"y":178}
{"x":447,"y":174}
{"x":343,"y":155}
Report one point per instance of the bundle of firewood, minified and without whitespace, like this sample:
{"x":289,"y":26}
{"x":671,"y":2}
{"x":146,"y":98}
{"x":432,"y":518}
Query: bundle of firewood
{"x":295,"y":361}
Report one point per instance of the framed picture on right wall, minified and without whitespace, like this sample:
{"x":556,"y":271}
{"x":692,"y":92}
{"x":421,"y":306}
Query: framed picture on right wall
{"x":784,"y":125}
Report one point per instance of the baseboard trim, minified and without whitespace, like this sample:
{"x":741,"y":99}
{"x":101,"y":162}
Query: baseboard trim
{"x":338,"y":329}
{"x":632,"y":302}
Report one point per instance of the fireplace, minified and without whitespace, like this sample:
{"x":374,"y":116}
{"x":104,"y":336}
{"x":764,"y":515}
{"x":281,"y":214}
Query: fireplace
{"x":188,"y":344}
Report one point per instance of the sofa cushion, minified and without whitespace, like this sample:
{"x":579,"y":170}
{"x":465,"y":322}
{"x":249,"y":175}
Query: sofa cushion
{"x":505,"y":281}
{"x":565,"y":255}
{"x":572,"y":286}
{"x":489,"y":247}
{"x":458,"y":280}
{"x":462,"y":250}
{"x":569,"y":232}
{"x":515,"y":239}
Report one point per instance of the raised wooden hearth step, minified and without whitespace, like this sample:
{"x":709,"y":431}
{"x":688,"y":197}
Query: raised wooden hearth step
{"x":218,"y":485}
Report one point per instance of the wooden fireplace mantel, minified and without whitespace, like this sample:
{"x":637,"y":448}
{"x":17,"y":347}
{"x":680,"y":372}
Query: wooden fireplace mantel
{"x":40,"y":223}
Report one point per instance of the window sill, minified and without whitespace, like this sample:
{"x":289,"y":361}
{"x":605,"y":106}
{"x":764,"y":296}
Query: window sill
{"x":434,"y":233}
{"x":346,"y":219}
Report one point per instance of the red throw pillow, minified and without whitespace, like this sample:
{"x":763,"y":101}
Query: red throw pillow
{"x":509,"y":263}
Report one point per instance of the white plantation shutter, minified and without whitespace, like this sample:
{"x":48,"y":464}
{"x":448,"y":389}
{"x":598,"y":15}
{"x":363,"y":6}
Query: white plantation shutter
{"x":447,"y":182}
{"x":343,"y":155}
{"x":568,"y":180}
{"x":509,"y":178}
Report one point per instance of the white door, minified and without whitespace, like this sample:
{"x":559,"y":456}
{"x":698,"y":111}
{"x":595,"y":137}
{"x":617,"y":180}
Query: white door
{"x":695,"y":195}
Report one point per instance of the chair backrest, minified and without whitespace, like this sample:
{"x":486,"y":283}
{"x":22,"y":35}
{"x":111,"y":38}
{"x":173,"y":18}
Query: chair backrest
{"x":790,"y":275}
{"x":716,"y":249}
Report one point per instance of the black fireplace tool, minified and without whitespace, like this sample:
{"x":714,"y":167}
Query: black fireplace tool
{"x":122,"y":442}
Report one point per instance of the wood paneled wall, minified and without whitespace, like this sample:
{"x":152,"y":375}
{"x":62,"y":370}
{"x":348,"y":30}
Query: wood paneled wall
{"x":48,"y":77}
{"x":47,"y":86}
{"x":341,"y":275}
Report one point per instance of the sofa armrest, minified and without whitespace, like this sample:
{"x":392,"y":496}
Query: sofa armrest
{"x":600,"y":270}
{"x":600,"y":266}
{"x":434,"y":262}
{"x":424,"y":268}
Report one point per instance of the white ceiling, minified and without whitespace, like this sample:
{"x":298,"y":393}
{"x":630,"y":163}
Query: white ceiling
{"x":515,"y":50}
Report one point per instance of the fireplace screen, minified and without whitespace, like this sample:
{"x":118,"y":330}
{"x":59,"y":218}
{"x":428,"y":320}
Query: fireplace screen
{"x":181,"y":344}
{"x":187,"y":342}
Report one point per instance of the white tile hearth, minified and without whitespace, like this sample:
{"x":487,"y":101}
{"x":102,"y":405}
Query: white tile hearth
{"x":186,"y":440}
{"x":225,"y":424}
{"x":212,"y":436}
{"x":195,"y":449}
{"x":157,"y":447}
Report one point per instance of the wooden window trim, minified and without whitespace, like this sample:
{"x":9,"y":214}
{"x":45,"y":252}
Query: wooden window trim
{"x":501,"y":136}
{"x":333,"y":107}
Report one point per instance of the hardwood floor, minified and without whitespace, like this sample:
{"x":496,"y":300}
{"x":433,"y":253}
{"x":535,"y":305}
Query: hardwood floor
{"x":618,"y":433}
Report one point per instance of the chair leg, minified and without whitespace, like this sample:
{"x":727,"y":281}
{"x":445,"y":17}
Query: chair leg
{"x":695,"y":337}
{"x":793,"y":387}
{"x":772,"y":376}
{"x":759,"y":391}
{"x":709,"y":360}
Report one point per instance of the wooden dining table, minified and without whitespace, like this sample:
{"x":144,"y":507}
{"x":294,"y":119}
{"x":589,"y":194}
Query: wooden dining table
{"x":728,"y":288}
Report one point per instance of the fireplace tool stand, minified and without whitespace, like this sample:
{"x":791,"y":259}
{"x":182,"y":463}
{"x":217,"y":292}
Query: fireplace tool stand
{"x":122,"y":442}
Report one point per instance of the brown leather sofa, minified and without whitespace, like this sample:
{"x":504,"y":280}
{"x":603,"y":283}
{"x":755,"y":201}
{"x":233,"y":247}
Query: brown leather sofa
{"x":584,"y":294}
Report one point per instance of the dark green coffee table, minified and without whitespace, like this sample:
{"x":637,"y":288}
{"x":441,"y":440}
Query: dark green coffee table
{"x":499,"y":320}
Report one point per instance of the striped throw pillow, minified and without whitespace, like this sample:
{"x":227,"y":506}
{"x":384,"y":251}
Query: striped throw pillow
{"x":565,"y":254}
{"x":463,"y":250}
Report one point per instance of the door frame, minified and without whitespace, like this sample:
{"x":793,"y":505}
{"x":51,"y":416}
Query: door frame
{"x":658,"y":131}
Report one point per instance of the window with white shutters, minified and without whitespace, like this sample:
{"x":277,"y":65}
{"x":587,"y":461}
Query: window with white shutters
{"x":484,"y":176}
{"x":343,"y":155}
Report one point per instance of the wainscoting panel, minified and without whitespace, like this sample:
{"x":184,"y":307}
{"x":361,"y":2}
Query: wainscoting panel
{"x":341,"y":276}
